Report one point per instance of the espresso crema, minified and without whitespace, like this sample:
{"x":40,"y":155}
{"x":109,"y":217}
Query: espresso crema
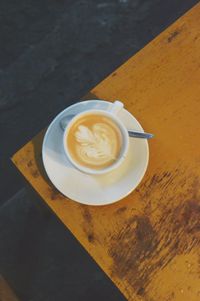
{"x":94,"y":141}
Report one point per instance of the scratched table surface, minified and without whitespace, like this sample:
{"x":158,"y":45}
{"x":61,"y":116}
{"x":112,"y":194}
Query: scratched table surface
{"x":148,"y":243}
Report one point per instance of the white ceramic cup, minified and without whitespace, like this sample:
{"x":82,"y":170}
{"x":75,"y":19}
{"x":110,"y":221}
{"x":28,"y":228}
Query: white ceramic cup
{"x":111,"y":113}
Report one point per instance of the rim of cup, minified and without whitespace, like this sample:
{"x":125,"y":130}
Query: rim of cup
{"x":125,"y":138}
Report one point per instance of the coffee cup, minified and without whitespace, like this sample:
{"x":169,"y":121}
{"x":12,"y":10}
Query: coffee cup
{"x":96,"y":141}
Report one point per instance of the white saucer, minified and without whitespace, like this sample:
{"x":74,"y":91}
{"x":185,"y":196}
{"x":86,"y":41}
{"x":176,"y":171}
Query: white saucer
{"x":94,"y":189}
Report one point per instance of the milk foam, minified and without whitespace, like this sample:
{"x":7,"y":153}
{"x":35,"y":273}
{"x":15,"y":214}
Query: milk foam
{"x":96,"y":145}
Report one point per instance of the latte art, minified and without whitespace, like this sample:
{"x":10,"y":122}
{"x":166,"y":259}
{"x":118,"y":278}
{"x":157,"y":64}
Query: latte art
{"x":94,"y":141}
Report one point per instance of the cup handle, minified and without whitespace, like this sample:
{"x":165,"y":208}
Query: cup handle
{"x":115,"y":107}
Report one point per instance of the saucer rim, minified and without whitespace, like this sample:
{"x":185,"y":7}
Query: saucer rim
{"x":106,"y":201}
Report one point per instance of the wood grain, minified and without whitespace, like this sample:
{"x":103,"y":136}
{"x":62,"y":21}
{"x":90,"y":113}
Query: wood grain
{"x":148,"y":243}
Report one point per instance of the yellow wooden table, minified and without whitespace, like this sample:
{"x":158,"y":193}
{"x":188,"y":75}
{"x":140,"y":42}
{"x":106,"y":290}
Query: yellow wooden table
{"x":6,"y":293}
{"x":148,"y":243}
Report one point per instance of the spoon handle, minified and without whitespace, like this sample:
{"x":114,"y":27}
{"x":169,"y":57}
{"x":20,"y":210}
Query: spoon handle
{"x":64,"y":121}
{"x":140,"y":135}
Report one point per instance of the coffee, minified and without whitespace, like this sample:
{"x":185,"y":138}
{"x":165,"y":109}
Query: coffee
{"x":94,"y":141}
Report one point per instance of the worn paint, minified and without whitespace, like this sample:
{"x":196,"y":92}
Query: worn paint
{"x":148,"y":243}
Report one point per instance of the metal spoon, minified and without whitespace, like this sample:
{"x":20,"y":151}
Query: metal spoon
{"x":65,"y":120}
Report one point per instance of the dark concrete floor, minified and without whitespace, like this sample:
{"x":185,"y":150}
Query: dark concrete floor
{"x":51,"y":53}
{"x":41,"y":260}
